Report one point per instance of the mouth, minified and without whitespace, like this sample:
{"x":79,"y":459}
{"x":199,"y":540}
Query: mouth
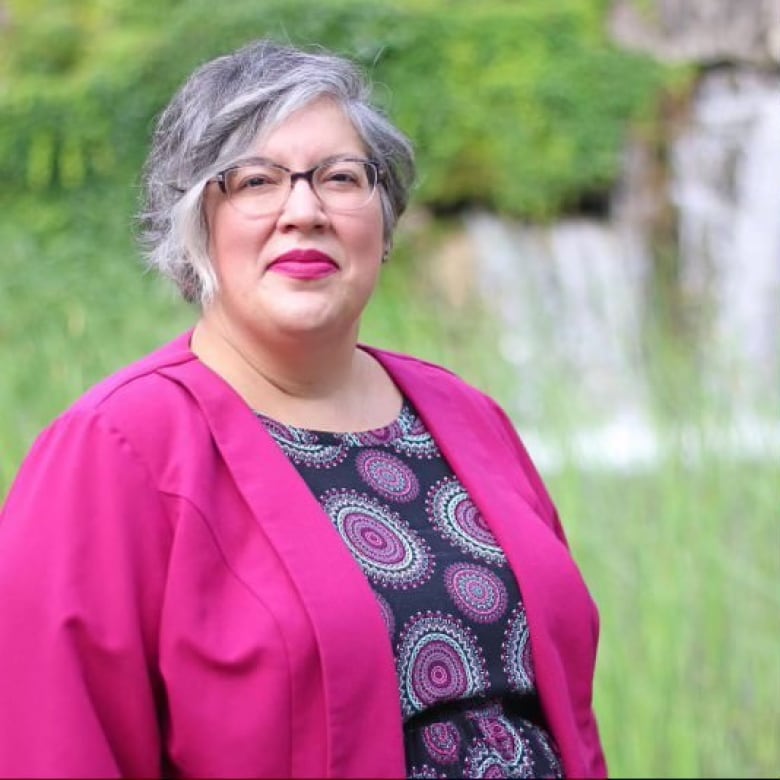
{"x":304,"y":264}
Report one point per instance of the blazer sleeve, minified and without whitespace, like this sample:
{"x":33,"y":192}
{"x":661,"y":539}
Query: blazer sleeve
{"x":83,"y":540}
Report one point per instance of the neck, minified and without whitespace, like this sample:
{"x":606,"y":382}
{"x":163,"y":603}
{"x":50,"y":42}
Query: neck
{"x":297,"y":367}
{"x":327,"y":384}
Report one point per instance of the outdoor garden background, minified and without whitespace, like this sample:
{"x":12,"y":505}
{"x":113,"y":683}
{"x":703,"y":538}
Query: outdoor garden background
{"x":594,"y":239}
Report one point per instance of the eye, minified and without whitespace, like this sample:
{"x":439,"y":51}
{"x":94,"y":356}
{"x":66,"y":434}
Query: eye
{"x":343,"y":175}
{"x":255,"y":178}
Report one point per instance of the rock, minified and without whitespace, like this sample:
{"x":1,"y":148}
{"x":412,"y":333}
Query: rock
{"x":700,"y":31}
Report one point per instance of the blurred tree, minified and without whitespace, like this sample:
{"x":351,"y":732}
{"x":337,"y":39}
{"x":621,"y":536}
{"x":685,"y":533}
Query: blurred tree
{"x":519,"y":107}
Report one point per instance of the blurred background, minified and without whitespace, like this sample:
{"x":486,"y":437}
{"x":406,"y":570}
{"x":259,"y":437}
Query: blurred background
{"x":594,"y":240}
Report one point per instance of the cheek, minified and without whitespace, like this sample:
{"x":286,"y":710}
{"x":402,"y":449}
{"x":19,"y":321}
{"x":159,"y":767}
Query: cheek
{"x":369,"y":236}
{"x":234,"y":244}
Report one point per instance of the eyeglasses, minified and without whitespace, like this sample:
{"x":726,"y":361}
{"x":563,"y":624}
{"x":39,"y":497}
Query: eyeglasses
{"x":258,"y":188}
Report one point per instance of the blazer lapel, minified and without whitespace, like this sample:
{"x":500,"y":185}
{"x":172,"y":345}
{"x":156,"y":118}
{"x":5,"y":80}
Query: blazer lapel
{"x":364,"y":734}
{"x":480,"y":455}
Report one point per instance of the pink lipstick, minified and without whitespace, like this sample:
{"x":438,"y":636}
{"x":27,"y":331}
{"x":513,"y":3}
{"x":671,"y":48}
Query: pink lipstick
{"x":304,"y":264}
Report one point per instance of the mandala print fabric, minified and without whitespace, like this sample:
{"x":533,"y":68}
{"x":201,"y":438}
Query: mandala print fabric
{"x":450,"y":602}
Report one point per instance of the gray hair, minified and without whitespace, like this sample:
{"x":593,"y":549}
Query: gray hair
{"x":215,"y":116}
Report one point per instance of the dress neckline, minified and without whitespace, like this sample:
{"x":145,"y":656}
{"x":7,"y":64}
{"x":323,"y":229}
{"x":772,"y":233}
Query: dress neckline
{"x":295,"y":434}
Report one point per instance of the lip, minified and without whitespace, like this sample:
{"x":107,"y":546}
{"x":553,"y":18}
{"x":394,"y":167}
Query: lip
{"x":304,"y":264}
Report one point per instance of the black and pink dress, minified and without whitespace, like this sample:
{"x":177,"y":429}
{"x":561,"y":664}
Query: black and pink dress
{"x":449,"y":599}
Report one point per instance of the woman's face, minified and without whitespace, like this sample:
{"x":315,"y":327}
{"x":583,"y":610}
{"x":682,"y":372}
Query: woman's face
{"x":263,"y":290}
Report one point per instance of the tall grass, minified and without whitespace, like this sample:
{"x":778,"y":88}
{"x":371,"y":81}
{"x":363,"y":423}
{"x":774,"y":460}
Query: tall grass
{"x":683,"y":561}
{"x":683,"y":558}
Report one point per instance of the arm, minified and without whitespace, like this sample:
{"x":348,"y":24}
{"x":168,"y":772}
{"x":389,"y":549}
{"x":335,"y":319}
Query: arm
{"x":82,"y":561}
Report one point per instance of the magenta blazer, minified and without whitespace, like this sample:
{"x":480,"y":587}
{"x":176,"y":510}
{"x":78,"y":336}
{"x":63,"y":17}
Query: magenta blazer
{"x":174,"y":601}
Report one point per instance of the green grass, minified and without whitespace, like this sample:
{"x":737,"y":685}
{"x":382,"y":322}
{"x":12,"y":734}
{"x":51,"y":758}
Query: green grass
{"x":683,"y":559}
{"x":683,"y":562}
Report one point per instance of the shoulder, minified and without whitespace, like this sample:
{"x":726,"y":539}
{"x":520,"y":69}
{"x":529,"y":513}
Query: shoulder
{"x":147,"y":410}
{"x":426,"y":380}
{"x":142,"y":381}
{"x":416,"y":369}
{"x":443,"y":397}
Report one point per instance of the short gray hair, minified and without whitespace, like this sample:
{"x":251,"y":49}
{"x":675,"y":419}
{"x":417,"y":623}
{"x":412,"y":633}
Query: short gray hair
{"x":217,"y":114}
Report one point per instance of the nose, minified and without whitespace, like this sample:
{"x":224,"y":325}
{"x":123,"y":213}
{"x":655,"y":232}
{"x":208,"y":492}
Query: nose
{"x":302,"y":209}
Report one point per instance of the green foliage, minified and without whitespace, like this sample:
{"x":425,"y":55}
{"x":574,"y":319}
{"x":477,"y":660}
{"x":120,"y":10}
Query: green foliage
{"x":520,"y":107}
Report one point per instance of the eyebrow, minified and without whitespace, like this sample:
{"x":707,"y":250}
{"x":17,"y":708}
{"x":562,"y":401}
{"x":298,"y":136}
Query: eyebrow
{"x":267,"y":161}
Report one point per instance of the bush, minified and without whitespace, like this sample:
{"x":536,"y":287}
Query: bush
{"x":519,"y":107}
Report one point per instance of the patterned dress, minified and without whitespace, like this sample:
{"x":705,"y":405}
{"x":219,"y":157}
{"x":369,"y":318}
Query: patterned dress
{"x":449,"y":600}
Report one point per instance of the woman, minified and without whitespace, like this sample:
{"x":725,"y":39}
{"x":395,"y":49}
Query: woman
{"x":267,"y":549}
